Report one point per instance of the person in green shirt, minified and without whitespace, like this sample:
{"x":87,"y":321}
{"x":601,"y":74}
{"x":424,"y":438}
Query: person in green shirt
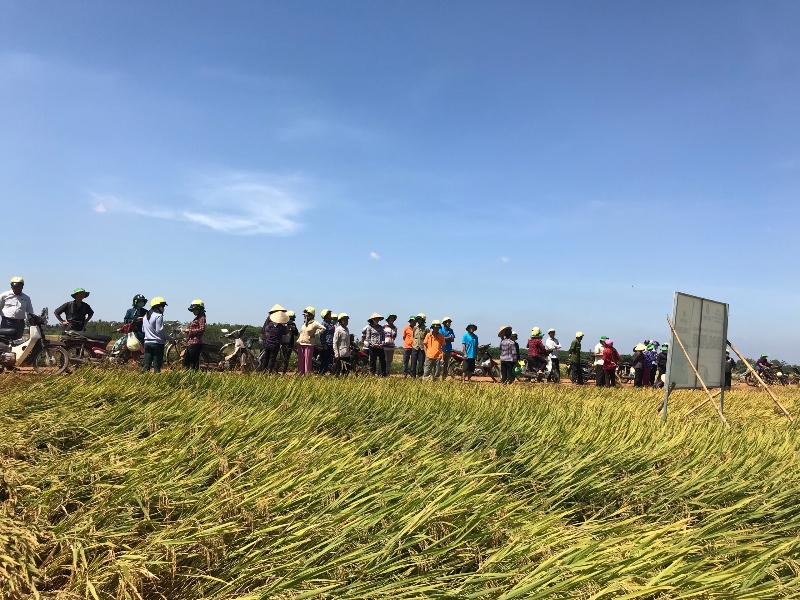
{"x":575,"y":359}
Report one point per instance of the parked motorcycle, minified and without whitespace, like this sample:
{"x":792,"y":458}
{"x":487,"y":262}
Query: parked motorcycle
{"x":210,"y":357}
{"x":532,"y":370}
{"x":85,"y":348}
{"x":120,"y":353}
{"x":624,"y":373}
{"x":45,"y":356}
{"x":238,"y":355}
{"x":485,"y":365}
{"x":587,"y":369}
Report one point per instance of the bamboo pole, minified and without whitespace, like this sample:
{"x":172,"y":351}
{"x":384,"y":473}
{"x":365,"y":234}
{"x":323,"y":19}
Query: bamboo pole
{"x":701,"y":404}
{"x":700,"y":379}
{"x":761,"y":381}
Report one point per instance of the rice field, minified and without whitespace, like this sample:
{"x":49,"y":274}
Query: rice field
{"x":186,"y":486}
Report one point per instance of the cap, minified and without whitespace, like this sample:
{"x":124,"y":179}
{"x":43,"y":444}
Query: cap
{"x":551,"y":330}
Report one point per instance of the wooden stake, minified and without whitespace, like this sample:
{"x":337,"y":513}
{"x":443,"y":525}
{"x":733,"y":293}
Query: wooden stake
{"x":700,"y":379}
{"x":701,"y":404}
{"x":761,"y":381}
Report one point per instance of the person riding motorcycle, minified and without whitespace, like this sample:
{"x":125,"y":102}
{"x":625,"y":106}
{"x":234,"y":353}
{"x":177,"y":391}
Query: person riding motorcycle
{"x":537,"y":353}
{"x":15,"y":307}
{"x":76,"y":314}
{"x":762,"y":364}
{"x":135,"y":314}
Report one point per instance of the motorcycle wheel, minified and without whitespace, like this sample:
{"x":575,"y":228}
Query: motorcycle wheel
{"x":750,"y":380}
{"x":492,"y":374}
{"x":206,"y":363}
{"x":78,"y":356}
{"x":172,"y":355}
{"x":53,"y":360}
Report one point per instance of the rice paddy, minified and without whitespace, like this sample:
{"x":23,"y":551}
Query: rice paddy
{"x":192,"y":485}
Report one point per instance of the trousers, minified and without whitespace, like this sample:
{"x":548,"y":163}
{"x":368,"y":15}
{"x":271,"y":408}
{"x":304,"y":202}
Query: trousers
{"x":304,"y":356}
{"x":507,"y":371}
{"x":389,"y":359}
{"x":433,"y":367}
{"x":609,"y":377}
{"x":18,"y":325}
{"x":638,"y":377}
{"x":447,"y":357}
{"x":191,"y":356}
{"x":377,"y":355}
{"x":599,"y":376}
{"x":407,"y":352}
{"x":417,"y":362}
{"x":269,"y":358}
{"x":576,"y":373}
{"x":153,"y":355}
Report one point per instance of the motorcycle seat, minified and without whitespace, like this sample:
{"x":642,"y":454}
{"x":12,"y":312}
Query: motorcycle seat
{"x":213,"y":344}
{"x":95,"y":337}
{"x":7,"y":333}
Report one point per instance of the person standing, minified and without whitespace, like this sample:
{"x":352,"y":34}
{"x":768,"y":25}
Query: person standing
{"x":389,"y":337}
{"x":288,"y":341}
{"x":649,"y":365}
{"x":610,"y":359}
{"x":469,"y":348}
{"x":341,"y":347}
{"x":638,"y":364}
{"x":305,"y":341}
{"x":15,"y":307}
{"x":515,"y":339}
{"x":372,"y":339}
{"x":195,"y":331}
{"x":552,"y":346}
{"x":326,"y":339}
{"x":576,"y":372}
{"x":537,"y":353}
{"x":447,"y":351}
{"x":599,"y":373}
{"x":508,"y":355}
{"x":154,"y":335}
{"x":418,"y":347}
{"x":662,"y":365}
{"x":272,"y":335}
{"x":135,"y":314}
{"x":730,"y":364}
{"x":434,"y":343}
{"x":74,"y":315}
{"x":408,"y":345}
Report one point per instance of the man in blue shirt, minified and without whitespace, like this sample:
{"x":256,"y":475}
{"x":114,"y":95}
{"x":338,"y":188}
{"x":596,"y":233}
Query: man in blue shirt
{"x":447,"y":351}
{"x":469,"y":345}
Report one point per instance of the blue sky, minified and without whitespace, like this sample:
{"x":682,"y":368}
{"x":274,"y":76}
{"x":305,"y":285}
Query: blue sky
{"x":564,"y":164}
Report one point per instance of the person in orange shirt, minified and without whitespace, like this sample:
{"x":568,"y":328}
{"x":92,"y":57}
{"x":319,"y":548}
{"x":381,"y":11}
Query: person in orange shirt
{"x":434,"y":344}
{"x":408,"y":344}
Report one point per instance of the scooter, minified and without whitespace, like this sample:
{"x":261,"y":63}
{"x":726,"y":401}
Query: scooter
{"x":238,"y":355}
{"x":46,"y":357}
{"x":120,"y":353}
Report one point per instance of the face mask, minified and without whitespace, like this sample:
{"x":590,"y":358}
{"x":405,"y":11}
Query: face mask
{"x":140,"y":304}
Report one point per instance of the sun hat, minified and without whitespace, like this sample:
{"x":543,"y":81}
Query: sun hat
{"x":17,"y":280}
{"x":551,"y":330}
{"x":158,"y":300}
{"x":310,"y":310}
{"x":276,"y":308}
{"x":76,"y":290}
{"x":471,"y":325}
{"x":579,"y":334}
{"x":639,"y":347}
{"x":609,"y":342}
{"x":375,"y":316}
{"x":503,"y":330}
{"x":196,"y":304}
{"x":280,"y":317}
{"x":391,"y":315}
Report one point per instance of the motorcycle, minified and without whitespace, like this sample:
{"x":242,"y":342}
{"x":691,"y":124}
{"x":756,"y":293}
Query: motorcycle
{"x":238,"y":354}
{"x":766,"y":374}
{"x":587,"y":369}
{"x":120,"y":353}
{"x":85,"y":348}
{"x":625,"y":373}
{"x":485,"y":365}
{"x":531,"y":371}
{"x":45,"y":356}
{"x":210,"y":356}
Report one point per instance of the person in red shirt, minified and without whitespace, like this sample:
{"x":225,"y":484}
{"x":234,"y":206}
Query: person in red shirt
{"x":610,"y":359}
{"x":537,"y":353}
{"x":408,"y":343}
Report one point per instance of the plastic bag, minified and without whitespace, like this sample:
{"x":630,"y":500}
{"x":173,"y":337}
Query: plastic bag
{"x":133,"y":343}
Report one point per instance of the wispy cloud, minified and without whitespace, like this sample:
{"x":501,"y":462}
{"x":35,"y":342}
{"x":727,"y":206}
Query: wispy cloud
{"x":374,"y":255}
{"x":233,"y":202}
{"x":504,"y":259}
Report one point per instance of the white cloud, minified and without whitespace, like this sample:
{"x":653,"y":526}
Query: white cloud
{"x":374,"y":255}
{"x":504,"y":259}
{"x":234,"y":202}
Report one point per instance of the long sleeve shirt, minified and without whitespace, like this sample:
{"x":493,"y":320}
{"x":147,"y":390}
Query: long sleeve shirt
{"x":153,"y":328}
{"x":508,"y":350}
{"x":15,"y":306}
{"x":196,"y":328}
{"x":341,"y":341}
{"x":575,"y":351}
{"x":552,"y":346}
{"x":308,"y":332}
{"x":610,"y":358}
{"x":536,"y":348}
{"x":420,"y":331}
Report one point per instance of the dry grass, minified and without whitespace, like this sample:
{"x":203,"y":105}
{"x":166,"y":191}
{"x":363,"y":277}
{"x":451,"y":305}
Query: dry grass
{"x":187,"y":486}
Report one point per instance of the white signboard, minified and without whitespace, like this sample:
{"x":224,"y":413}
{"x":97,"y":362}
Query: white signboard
{"x":702,"y":326}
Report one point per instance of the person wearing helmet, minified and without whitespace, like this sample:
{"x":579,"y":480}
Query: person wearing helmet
{"x":372,"y":339}
{"x":552,"y":346}
{"x":599,"y":373}
{"x":610,"y":360}
{"x":576,"y":373}
{"x":433,"y":343}
{"x":195,"y":331}
{"x":289,"y":340}
{"x":326,"y":339}
{"x":418,"y":346}
{"x":508,"y":355}
{"x":15,"y":307}
{"x":305,"y":342}
{"x":135,"y":314}
{"x":75,"y":314}
{"x":537,"y":353}
{"x":154,"y":335}
{"x":389,"y":337}
{"x":341,"y":347}
{"x":447,"y":351}
{"x":408,"y":345}
{"x":661,"y":361}
{"x":762,"y":364}
{"x":469,"y":350}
